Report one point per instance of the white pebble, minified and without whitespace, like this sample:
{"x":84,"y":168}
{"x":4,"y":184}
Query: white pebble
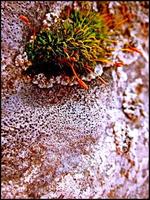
{"x":83,"y":78}
{"x":44,"y":22}
{"x":98,"y":70}
{"x":92,"y":76}
{"x":35,"y":82}
{"x":50,"y":85}
{"x":48,"y":17}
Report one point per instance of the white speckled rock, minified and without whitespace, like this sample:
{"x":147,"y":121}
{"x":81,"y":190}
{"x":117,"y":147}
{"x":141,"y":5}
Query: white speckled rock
{"x":65,"y":142}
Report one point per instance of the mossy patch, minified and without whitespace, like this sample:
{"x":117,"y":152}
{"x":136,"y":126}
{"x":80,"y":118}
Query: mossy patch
{"x":73,"y":45}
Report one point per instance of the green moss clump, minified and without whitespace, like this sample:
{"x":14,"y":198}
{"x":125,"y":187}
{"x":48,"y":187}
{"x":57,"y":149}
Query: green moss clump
{"x":72,"y":46}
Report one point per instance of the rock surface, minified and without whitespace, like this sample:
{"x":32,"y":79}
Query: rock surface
{"x":65,"y":142}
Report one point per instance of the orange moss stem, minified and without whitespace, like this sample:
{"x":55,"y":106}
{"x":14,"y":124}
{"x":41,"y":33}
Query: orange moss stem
{"x":81,"y":83}
{"x":121,"y":22}
{"x":102,"y":80}
{"x":28,"y":23}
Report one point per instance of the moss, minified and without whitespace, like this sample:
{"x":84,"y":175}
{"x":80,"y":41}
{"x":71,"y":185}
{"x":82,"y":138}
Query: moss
{"x":74,"y":45}
{"x":81,"y":37}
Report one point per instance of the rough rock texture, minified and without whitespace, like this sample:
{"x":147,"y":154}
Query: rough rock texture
{"x":65,"y":142}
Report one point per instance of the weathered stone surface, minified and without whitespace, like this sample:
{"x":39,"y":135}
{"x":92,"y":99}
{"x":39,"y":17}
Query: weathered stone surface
{"x":65,"y":142}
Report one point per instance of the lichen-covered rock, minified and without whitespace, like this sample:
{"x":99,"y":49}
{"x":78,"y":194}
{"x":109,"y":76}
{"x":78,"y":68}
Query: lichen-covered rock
{"x":65,"y":142}
{"x":132,"y":104}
